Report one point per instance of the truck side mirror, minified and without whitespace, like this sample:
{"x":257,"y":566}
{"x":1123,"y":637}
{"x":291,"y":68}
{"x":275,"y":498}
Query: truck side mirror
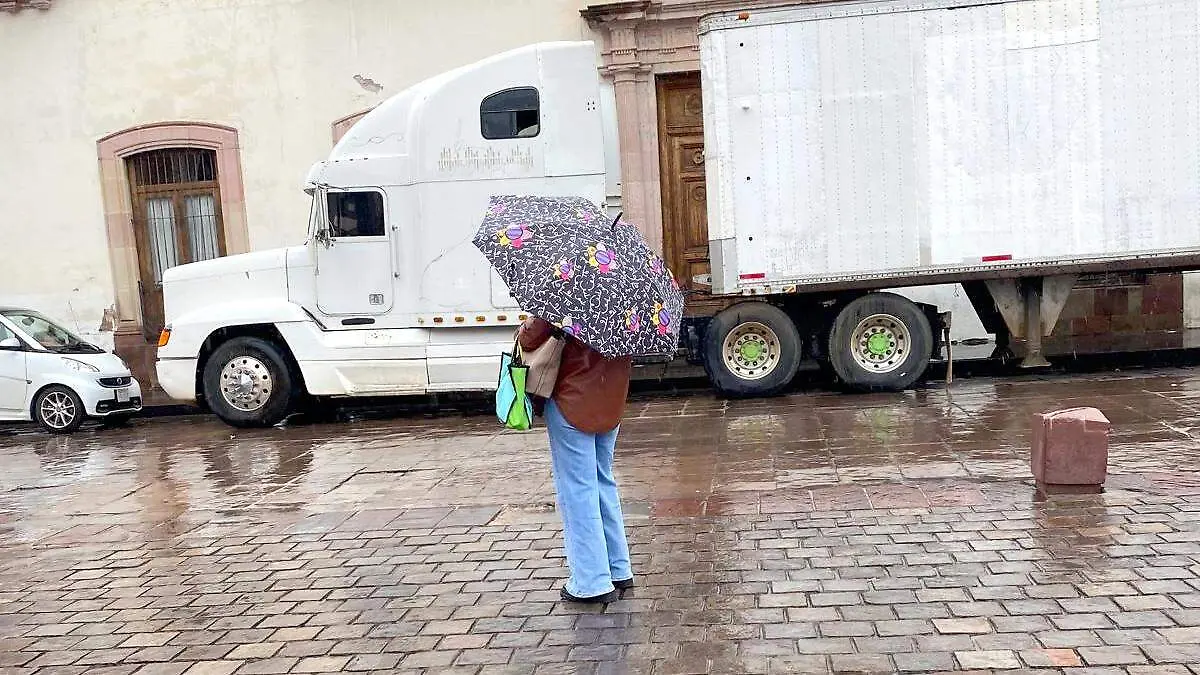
{"x":322,"y":228}
{"x":11,"y":344}
{"x":323,"y":237}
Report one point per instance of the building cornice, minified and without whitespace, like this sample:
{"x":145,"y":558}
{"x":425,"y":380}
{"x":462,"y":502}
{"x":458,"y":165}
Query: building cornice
{"x":667,"y":10}
{"x":14,"y":6}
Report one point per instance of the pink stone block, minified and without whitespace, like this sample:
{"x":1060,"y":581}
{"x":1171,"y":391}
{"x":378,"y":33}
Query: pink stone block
{"x":1070,"y":447}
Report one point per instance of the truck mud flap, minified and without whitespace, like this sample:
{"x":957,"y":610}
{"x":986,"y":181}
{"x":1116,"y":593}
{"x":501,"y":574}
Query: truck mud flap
{"x":692,"y":337}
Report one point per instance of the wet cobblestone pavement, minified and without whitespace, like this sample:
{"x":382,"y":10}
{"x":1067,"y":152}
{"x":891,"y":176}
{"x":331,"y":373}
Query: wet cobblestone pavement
{"x":810,"y":533}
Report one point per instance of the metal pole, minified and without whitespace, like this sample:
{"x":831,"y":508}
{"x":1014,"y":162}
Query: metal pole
{"x":1032,"y":296}
{"x":946,"y":321}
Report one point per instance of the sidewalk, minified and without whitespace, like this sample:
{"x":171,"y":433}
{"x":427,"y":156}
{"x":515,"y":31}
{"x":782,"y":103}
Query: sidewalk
{"x":812,"y":533}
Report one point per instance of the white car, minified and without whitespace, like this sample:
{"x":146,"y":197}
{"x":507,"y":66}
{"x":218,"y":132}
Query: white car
{"x":52,"y":377}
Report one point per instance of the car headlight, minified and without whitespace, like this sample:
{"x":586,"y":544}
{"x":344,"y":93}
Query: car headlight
{"x":80,"y":366}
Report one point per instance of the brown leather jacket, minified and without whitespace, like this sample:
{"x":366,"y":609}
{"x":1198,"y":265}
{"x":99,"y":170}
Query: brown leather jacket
{"x":590,"y":390}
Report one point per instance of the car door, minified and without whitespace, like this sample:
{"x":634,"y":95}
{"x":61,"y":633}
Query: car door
{"x":14,"y":378}
{"x":354,"y":267}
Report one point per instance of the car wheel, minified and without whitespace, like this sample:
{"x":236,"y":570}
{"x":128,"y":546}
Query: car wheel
{"x":58,"y":409}
{"x":880,"y":342}
{"x":247,"y":383}
{"x":751,"y":349}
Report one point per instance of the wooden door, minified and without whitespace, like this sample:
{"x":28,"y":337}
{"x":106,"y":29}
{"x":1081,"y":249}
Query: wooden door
{"x":681,"y":158}
{"x":176,"y":219}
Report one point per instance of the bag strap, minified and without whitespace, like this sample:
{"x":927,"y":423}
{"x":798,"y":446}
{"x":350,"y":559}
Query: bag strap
{"x":516,"y":350}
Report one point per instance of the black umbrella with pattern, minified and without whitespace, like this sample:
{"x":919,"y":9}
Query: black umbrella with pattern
{"x":596,"y":280}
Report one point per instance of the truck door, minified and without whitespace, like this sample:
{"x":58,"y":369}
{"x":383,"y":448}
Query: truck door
{"x":354,"y":267}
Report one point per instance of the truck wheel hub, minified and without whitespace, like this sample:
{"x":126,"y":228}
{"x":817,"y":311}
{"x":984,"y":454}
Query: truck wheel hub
{"x":751,"y":351}
{"x":880,"y":343}
{"x":246,"y":383}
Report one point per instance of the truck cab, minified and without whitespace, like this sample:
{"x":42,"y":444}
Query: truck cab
{"x":387,"y":295}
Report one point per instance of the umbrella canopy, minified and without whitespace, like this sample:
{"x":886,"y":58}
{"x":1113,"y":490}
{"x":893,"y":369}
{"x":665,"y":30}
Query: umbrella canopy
{"x":598,"y":281}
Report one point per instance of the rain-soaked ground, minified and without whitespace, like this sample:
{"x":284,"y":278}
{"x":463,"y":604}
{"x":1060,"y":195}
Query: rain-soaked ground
{"x":809,"y":533}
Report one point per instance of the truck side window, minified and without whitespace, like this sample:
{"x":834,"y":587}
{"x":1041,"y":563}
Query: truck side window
{"x":512,"y":113}
{"x":356,"y":214}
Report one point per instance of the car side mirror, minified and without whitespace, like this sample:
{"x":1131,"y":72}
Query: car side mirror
{"x":11,"y":344}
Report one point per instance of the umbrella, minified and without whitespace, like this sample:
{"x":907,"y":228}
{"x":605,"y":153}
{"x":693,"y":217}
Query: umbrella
{"x":598,"y":281}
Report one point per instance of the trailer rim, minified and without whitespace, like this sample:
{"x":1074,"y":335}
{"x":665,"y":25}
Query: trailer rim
{"x":880,"y":343}
{"x":751,"y":351}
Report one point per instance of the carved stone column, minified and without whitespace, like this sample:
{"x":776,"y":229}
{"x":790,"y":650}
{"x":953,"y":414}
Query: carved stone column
{"x":636,"y":126}
{"x":619,"y":24}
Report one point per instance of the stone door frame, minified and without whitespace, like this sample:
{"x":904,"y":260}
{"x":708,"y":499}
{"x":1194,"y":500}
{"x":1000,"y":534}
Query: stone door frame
{"x":112,"y":151}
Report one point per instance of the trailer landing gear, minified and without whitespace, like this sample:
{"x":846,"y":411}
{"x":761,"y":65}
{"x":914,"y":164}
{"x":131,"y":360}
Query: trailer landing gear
{"x":1026,"y":302}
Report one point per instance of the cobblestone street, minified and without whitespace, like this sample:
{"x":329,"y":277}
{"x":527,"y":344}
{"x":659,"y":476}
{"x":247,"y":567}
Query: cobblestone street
{"x":810,"y":533}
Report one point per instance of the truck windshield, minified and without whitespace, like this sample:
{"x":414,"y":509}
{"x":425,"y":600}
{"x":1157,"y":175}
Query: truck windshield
{"x":49,"y":334}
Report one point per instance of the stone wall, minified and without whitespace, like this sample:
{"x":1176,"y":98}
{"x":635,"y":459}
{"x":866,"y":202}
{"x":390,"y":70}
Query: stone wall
{"x":1119,"y":312}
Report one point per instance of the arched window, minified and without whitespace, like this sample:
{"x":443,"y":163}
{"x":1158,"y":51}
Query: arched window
{"x":176,"y":215}
{"x":341,"y":126}
{"x":176,"y":207}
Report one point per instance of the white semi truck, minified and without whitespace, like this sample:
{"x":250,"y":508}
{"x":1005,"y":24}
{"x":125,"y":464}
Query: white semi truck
{"x":850,"y":148}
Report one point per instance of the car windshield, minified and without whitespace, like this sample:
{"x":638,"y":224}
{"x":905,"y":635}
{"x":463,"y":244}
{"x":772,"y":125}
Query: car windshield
{"x":49,"y":334}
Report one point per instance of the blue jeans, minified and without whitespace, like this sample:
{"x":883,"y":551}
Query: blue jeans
{"x":593,"y":529}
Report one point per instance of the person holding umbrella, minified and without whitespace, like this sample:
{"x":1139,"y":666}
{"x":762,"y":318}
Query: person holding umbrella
{"x":600,"y":288}
{"x":583,"y":419}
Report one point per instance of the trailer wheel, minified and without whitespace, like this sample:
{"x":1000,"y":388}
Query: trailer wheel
{"x":247,"y":383}
{"x":881,"y":341}
{"x":751,"y":349}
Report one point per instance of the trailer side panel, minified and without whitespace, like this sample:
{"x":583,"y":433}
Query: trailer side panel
{"x":901,"y":139}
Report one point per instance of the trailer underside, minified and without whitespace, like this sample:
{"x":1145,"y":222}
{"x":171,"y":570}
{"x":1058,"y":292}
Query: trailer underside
{"x":1014,"y":300}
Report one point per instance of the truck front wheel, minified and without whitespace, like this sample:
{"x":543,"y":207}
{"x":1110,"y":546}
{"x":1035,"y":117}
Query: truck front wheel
{"x":247,"y":383}
{"x":880,"y":341}
{"x":751,"y":349}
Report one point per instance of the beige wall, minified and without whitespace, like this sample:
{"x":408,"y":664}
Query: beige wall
{"x":280,"y":72}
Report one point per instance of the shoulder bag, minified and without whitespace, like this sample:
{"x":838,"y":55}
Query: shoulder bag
{"x":543,"y":364}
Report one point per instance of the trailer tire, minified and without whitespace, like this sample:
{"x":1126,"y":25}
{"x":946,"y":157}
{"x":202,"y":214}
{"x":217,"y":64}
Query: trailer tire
{"x":880,"y":342}
{"x":264,"y":390}
{"x":751,"y":349}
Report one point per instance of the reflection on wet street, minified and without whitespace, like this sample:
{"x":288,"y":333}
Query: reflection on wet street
{"x":809,"y":533}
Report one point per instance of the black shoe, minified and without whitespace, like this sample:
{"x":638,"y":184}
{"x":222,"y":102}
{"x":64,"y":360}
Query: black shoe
{"x":603,"y":598}
{"x":622,"y":584}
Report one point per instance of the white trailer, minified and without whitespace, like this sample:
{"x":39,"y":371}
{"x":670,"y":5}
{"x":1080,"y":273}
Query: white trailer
{"x":1006,"y":146}
{"x":851,"y":148}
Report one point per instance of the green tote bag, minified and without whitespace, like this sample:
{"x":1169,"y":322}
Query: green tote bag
{"x":514,"y":408}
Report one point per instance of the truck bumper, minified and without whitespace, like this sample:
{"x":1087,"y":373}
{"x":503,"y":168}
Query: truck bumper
{"x":177,"y":377}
